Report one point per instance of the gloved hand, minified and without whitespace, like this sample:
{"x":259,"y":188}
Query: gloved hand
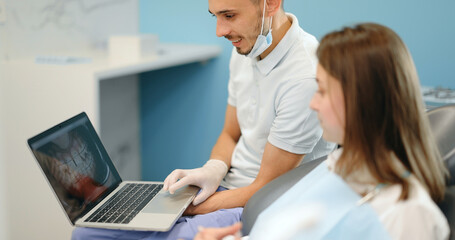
{"x":208,"y":178}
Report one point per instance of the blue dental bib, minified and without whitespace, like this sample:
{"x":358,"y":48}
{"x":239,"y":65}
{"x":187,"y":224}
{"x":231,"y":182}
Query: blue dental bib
{"x":320,"y":206}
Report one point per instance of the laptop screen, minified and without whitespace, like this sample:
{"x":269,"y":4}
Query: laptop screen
{"x":76,"y":165}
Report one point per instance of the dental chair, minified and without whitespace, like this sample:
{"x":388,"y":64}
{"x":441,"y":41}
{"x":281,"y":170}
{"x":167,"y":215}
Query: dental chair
{"x":442,"y":123}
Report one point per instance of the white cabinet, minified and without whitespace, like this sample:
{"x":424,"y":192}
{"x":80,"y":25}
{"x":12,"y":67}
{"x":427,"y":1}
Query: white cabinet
{"x":34,"y":97}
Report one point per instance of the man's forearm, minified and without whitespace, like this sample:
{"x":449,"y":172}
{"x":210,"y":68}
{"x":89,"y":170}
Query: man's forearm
{"x":224,"y":200}
{"x":228,"y":138}
{"x":224,"y":148}
{"x":275,"y":162}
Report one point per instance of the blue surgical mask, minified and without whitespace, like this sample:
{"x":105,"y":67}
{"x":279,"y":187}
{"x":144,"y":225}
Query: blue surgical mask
{"x":262,"y":42}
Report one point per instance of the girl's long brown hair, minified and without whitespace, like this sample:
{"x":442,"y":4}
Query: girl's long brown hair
{"x":384,"y":110}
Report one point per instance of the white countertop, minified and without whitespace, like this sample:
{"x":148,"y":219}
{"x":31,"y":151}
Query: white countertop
{"x":102,"y":67}
{"x":169,"y":55}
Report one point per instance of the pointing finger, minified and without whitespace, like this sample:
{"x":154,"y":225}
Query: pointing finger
{"x":187,"y":180}
{"x":172,"y":178}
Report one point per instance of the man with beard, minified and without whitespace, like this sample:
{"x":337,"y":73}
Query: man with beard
{"x":269,"y":127}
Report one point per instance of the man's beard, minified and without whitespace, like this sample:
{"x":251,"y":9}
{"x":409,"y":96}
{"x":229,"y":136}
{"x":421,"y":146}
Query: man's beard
{"x":256,"y":30}
{"x":239,"y":51}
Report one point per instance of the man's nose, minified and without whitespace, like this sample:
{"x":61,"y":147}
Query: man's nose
{"x":222,"y":29}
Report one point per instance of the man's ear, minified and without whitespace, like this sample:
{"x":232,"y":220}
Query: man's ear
{"x":273,"y":6}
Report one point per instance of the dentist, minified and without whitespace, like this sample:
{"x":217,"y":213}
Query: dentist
{"x":269,"y":128}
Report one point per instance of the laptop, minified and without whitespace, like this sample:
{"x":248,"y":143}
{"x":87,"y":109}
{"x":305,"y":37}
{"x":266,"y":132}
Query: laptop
{"x":91,"y":191}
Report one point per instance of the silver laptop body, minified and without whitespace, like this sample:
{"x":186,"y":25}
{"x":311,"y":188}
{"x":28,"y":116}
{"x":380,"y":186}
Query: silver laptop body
{"x":89,"y":188}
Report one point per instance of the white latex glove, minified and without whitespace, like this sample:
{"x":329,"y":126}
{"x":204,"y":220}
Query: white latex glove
{"x":208,"y":178}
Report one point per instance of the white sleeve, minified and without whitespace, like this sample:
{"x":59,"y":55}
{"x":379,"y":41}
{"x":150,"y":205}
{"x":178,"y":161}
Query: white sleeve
{"x":416,"y":221}
{"x":296,"y":127}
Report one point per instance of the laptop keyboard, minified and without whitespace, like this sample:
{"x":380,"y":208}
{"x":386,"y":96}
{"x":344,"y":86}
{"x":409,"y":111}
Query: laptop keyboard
{"x":125,"y":204}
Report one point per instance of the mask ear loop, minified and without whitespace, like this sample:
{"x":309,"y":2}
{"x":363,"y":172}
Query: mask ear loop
{"x":263,"y":18}
{"x":271,"y":21}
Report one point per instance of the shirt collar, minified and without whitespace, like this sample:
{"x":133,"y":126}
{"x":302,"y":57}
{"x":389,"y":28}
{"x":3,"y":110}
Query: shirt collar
{"x":360,"y":179}
{"x":333,"y":158}
{"x":268,"y":63}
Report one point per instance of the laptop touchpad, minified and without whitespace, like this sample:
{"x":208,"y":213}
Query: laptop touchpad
{"x":167,"y":203}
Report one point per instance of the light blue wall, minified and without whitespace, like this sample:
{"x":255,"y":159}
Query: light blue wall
{"x":183,"y":108}
{"x":427,"y":27}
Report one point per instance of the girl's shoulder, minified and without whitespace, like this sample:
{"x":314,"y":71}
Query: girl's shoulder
{"x":418,"y":217}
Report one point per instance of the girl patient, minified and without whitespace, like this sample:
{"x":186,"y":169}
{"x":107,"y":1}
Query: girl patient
{"x":383,"y":181}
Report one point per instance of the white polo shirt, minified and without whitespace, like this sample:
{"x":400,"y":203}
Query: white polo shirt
{"x":272,"y":98}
